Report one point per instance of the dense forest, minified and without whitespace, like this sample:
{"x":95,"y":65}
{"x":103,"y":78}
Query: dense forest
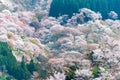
{"x":60,"y":7}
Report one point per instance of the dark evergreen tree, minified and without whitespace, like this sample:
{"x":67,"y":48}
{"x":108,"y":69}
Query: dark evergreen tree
{"x":32,"y":66}
{"x":7,"y":59}
{"x":61,"y":7}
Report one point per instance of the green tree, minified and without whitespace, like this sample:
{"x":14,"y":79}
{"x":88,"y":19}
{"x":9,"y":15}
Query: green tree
{"x":32,"y":67}
{"x":61,"y":7}
{"x":9,"y":63}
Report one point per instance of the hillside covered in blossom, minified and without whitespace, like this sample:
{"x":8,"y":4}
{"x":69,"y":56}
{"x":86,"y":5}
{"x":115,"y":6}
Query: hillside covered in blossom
{"x":43,"y":40}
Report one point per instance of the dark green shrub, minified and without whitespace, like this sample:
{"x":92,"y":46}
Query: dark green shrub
{"x":32,"y":67}
{"x":96,"y":72}
{"x":71,"y":74}
{"x":40,"y":68}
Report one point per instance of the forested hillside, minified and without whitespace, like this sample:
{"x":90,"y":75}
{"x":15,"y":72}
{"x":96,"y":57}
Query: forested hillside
{"x":38,"y":42}
{"x":60,"y":7}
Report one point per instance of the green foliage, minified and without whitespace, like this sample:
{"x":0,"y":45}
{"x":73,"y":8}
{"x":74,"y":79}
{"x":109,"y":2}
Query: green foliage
{"x":10,"y":78}
{"x":2,"y":78}
{"x":90,"y":56}
{"x":41,"y":69}
{"x":19,"y":71}
{"x":60,"y":7}
{"x":96,"y":72}
{"x":10,"y":63}
{"x":6,"y":57}
{"x":32,"y":66}
{"x":71,"y":73}
{"x":43,"y":74}
{"x":22,"y":36}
